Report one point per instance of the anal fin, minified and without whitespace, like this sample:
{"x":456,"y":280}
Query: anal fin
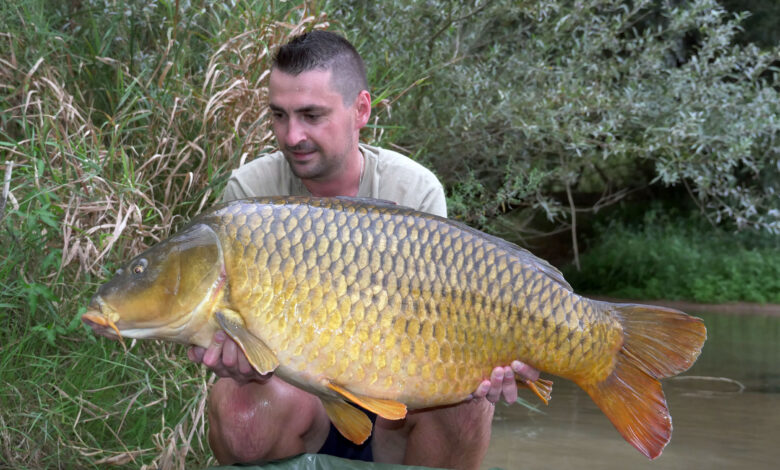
{"x":351,"y":422}
{"x":388,"y":409}
{"x":542,"y":388}
{"x":257,"y":352}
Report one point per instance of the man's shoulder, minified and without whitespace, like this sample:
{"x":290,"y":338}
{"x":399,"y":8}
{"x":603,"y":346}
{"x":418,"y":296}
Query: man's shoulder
{"x":390,"y":161}
{"x":263,"y":163}
{"x":400,"y":179}
{"x":263,"y":176}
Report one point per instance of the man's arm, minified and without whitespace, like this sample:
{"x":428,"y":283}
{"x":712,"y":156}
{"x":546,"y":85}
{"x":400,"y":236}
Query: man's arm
{"x":434,"y":202}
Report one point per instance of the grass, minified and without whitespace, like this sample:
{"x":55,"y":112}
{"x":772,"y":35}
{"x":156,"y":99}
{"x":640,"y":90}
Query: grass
{"x":68,"y":404}
{"x":68,"y":400}
{"x":114,"y":130}
{"x":675,"y":254}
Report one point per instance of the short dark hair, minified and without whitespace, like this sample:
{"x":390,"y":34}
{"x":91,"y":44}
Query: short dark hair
{"x":327,"y":51}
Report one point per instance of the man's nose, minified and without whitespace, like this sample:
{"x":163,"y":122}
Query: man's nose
{"x":294,"y":133}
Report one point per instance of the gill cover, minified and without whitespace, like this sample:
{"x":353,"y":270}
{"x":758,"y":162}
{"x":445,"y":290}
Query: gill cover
{"x":166,"y":282}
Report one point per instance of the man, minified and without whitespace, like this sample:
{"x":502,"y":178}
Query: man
{"x":319,"y":100}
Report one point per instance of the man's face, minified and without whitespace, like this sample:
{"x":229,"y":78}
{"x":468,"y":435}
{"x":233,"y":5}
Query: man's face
{"x":313,"y":128}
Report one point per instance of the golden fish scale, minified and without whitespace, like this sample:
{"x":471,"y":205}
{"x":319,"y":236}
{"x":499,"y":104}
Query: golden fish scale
{"x":399,"y":305}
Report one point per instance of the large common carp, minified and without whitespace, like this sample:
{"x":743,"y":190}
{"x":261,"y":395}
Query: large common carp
{"x":386,"y":307}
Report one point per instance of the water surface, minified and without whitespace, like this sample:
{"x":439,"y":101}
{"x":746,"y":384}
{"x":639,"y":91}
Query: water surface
{"x":725,"y":410}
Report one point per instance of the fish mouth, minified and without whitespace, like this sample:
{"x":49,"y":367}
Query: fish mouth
{"x":101,"y":324}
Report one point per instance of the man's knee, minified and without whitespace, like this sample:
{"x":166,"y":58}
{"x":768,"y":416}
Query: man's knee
{"x":228,"y":400}
{"x":467,"y":424}
{"x":450,"y":437}
{"x":259,"y":422}
{"x":235,"y":433}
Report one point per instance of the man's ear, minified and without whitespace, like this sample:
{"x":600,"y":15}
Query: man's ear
{"x":362,"y":109}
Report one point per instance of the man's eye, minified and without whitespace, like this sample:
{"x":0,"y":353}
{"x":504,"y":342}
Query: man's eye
{"x":313,"y":117}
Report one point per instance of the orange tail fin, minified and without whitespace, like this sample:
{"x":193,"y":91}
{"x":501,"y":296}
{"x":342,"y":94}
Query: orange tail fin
{"x":657,"y":342}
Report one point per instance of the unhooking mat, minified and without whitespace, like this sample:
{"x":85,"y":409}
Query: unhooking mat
{"x":319,"y":462}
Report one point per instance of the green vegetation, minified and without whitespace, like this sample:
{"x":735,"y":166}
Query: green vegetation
{"x":121,"y":120}
{"x":666,"y":254}
{"x":760,"y":27}
{"x":530,"y":105}
{"x":118,"y":122}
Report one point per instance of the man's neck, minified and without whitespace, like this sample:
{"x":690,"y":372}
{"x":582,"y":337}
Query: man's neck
{"x":347,"y":183}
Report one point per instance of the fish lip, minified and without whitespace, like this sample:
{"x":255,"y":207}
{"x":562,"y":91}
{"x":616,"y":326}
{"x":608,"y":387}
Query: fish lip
{"x":100,"y":322}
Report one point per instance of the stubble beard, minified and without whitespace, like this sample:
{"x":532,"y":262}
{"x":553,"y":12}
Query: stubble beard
{"x":320,"y":168}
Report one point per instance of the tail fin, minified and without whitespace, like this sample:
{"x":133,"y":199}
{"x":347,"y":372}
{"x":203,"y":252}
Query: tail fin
{"x":657,"y":342}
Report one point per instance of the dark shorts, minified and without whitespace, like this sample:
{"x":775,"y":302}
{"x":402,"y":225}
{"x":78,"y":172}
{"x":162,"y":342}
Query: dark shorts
{"x":339,"y":446}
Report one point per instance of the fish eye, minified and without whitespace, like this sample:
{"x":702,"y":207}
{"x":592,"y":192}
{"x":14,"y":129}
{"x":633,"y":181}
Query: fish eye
{"x":140,"y":266}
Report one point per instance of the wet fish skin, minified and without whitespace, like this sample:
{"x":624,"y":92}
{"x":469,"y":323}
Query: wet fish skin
{"x":385,"y":306}
{"x":434,"y":290}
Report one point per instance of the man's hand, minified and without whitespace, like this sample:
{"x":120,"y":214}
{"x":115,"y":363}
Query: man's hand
{"x":226,"y":359}
{"x":502,"y":382}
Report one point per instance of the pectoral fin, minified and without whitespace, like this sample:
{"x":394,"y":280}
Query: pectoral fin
{"x":350,"y":421}
{"x":259,"y":355}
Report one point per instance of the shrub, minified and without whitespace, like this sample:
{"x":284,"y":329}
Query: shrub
{"x":535,"y":104}
{"x":669,"y":254}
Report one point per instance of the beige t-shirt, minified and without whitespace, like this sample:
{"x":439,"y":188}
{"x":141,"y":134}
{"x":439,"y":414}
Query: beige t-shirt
{"x":387,"y":175}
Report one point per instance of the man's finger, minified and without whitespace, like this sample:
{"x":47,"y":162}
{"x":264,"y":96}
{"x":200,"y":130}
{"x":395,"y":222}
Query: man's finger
{"x":482,"y":390}
{"x":243,"y":364}
{"x":525,"y":371}
{"x":195,"y":354}
{"x":496,"y":380}
{"x":213,"y":355}
{"x":230,"y":354}
{"x":509,"y":386}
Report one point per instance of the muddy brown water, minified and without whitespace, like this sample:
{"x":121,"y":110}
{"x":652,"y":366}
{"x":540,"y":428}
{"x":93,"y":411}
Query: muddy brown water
{"x":725,"y":412}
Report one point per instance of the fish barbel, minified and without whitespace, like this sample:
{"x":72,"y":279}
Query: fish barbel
{"x":379,"y":305}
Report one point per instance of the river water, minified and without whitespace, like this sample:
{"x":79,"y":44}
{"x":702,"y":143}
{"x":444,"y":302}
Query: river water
{"x":725,"y":411}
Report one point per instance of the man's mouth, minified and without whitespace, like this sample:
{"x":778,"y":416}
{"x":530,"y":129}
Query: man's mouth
{"x":301,"y":152}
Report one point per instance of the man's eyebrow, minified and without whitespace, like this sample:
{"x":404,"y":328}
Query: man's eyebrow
{"x":302,"y":110}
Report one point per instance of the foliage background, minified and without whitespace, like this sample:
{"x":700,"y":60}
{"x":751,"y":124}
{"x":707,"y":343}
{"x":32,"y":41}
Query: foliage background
{"x":551,"y":99}
{"x":121,"y":120}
